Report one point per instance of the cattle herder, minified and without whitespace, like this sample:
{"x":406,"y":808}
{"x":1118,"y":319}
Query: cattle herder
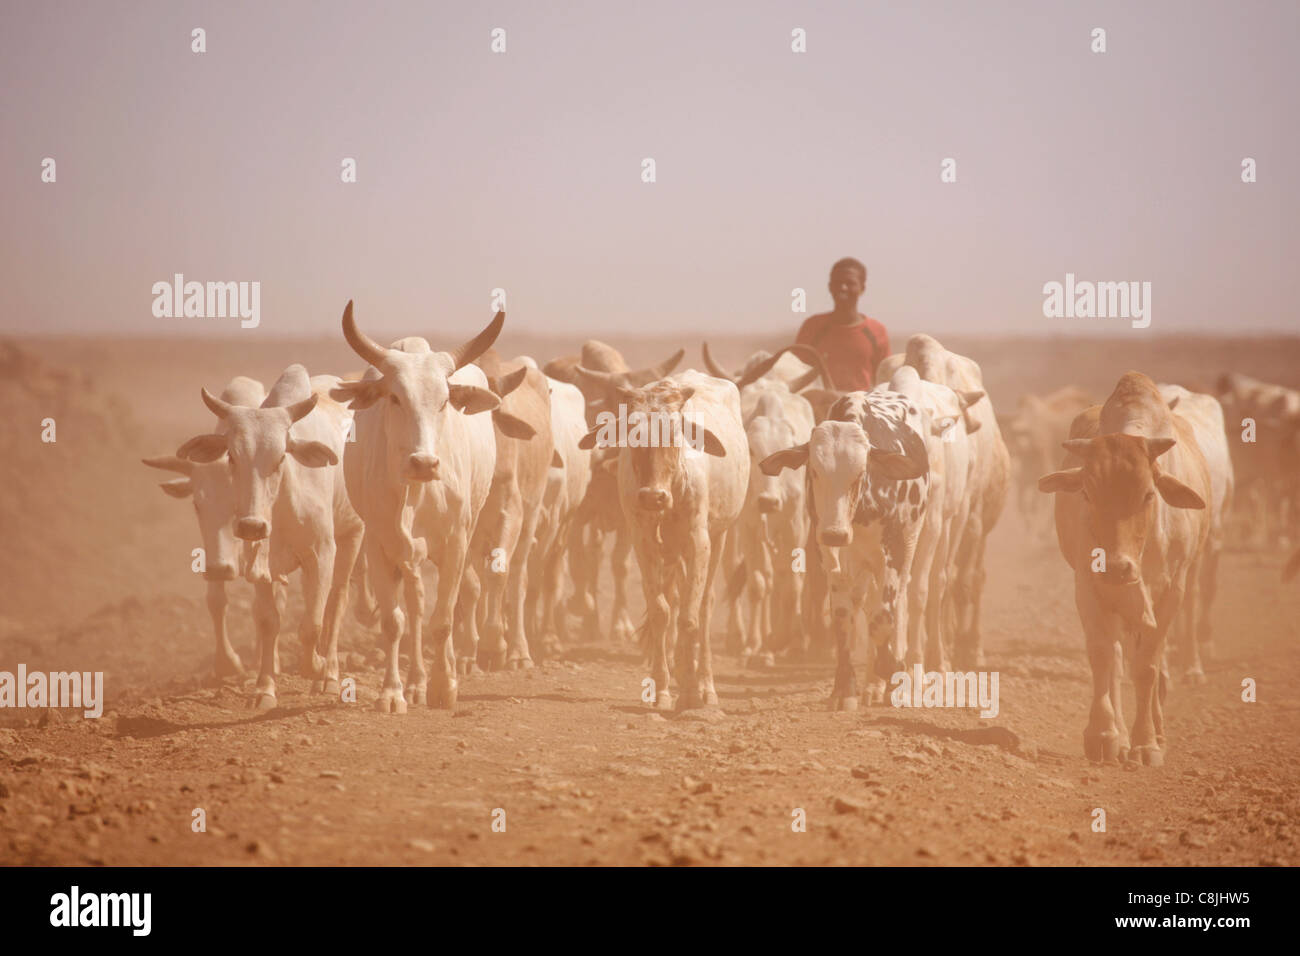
{"x":852,"y":344}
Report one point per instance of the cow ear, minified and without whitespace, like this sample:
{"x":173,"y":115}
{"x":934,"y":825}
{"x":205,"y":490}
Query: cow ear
{"x":777,"y":462}
{"x":588,"y":441}
{"x":1158,"y":446}
{"x":610,"y":465}
{"x":511,"y":426}
{"x":204,"y":449}
{"x":1069,"y":480}
{"x":896,"y":466}
{"x":313,"y":454}
{"x":361,"y":395}
{"x":712,"y":445}
{"x":1173,"y":402}
{"x":177,"y":487}
{"x":556,"y":460}
{"x":970,"y":397}
{"x":471,"y":399}
{"x":1177,"y":494}
{"x":508,"y":383}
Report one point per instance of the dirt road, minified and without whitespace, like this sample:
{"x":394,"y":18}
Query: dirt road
{"x":573,"y":768}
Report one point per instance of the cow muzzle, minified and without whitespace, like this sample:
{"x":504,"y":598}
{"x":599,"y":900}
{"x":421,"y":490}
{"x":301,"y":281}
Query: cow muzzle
{"x":654,"y":499}
{"x":1121,"y":569}
{"x":835,"y":537}
{"x":422,"y":467}
{"x":251,"y":529}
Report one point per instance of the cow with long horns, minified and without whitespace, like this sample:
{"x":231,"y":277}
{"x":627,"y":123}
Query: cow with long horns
{"x":419,"y":473}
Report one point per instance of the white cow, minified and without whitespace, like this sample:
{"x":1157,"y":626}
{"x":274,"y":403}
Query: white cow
{"x":212,"y":492}
{"x":566,"y":487}
{"x":680,"y":497}
{"x":419,"y":473}
{"x":291,"y":503}
{"x":990,"y":479}
{"x":948,"y":444}
{"x":1205,"y":415}
{"x":867,"y":480}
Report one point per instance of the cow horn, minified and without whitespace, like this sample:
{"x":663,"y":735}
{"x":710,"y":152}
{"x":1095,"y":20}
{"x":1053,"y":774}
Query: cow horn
{"x":599,"y":379}
{"x":714,"y":368}
{"x":215,"y":405}
{"x":1078,"y":446}
{"x":170,"y":463}
{"x":645,"y":376}
{"x":803,"y":352}
{"x":814,"y":358}
{"x":362,"y":344}
{"x":464,"y":354}
{"x":506,"y":384}
{"x":300,"y":410}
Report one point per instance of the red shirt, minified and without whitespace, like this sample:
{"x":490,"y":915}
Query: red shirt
{"x":852,"y":352}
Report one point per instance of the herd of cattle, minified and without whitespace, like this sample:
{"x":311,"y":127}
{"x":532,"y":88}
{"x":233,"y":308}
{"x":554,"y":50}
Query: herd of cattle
{"x":831,"y":515}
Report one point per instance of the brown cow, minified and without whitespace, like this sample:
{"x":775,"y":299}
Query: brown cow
{"x":1132,"y":522}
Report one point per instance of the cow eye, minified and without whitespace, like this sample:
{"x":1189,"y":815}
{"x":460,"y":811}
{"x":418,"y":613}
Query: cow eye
{"x":393,"y":399}
{"x":1149,"y":498}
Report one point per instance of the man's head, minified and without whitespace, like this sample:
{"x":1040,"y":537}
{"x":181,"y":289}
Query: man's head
{"x":848,"y":280}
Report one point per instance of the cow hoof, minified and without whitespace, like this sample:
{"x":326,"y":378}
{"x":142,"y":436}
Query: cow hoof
{"x":688,"y":702}
{"x":1195,"y":677}
{"x":664,"y":700}
{"x":1148,"y":756}
{"x":1104,"y":749}
{"x":520,"y":664}
{"x":624,"y":631}
{"x":710,"y":698}
{"x":844,"y":703}
{"x":417,"y":694}
{"x":465,"y":666}
{"x":391,"y":701}
{"x":443,"y":698}
{"x":328,"y":687}
{"x":263,"y":701}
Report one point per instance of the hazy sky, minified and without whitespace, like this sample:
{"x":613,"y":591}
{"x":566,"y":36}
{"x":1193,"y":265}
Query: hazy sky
{"x":522,"y":170}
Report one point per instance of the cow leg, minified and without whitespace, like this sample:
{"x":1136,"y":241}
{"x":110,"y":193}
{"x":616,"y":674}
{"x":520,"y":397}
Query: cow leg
{"x":1149,"y":681}
{"x":709,"y":693}
{"x":918,"y":641}
{"x":1188,"y":626}
{"x":936,"y":645}
{"x":585,"y":561}
{"x":620,"y":620}
{"x":466,"y":639}
{"x":417,"y":678}
{"x":1209,"y":587}
{"x":969,"y":581}
{"x":315,"y":563}
{"x":816,"y":589}
{"x":697,"y":558}
{"x":887,"y":628}
{"x":517,"y":655}
{"x":658,"y":612}
{"x":552,"y":620}
{"x":1104,"y":739}
{"x":227,"y":662}
{"x":266,"y":618}
{"x":844,"y":694}
{"x":347,"y":547}
{"x":392,"y":622}
{"x":450,"y":574}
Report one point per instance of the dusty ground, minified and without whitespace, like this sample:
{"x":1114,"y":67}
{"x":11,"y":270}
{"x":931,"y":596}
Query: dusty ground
{"x":95,"y":576}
